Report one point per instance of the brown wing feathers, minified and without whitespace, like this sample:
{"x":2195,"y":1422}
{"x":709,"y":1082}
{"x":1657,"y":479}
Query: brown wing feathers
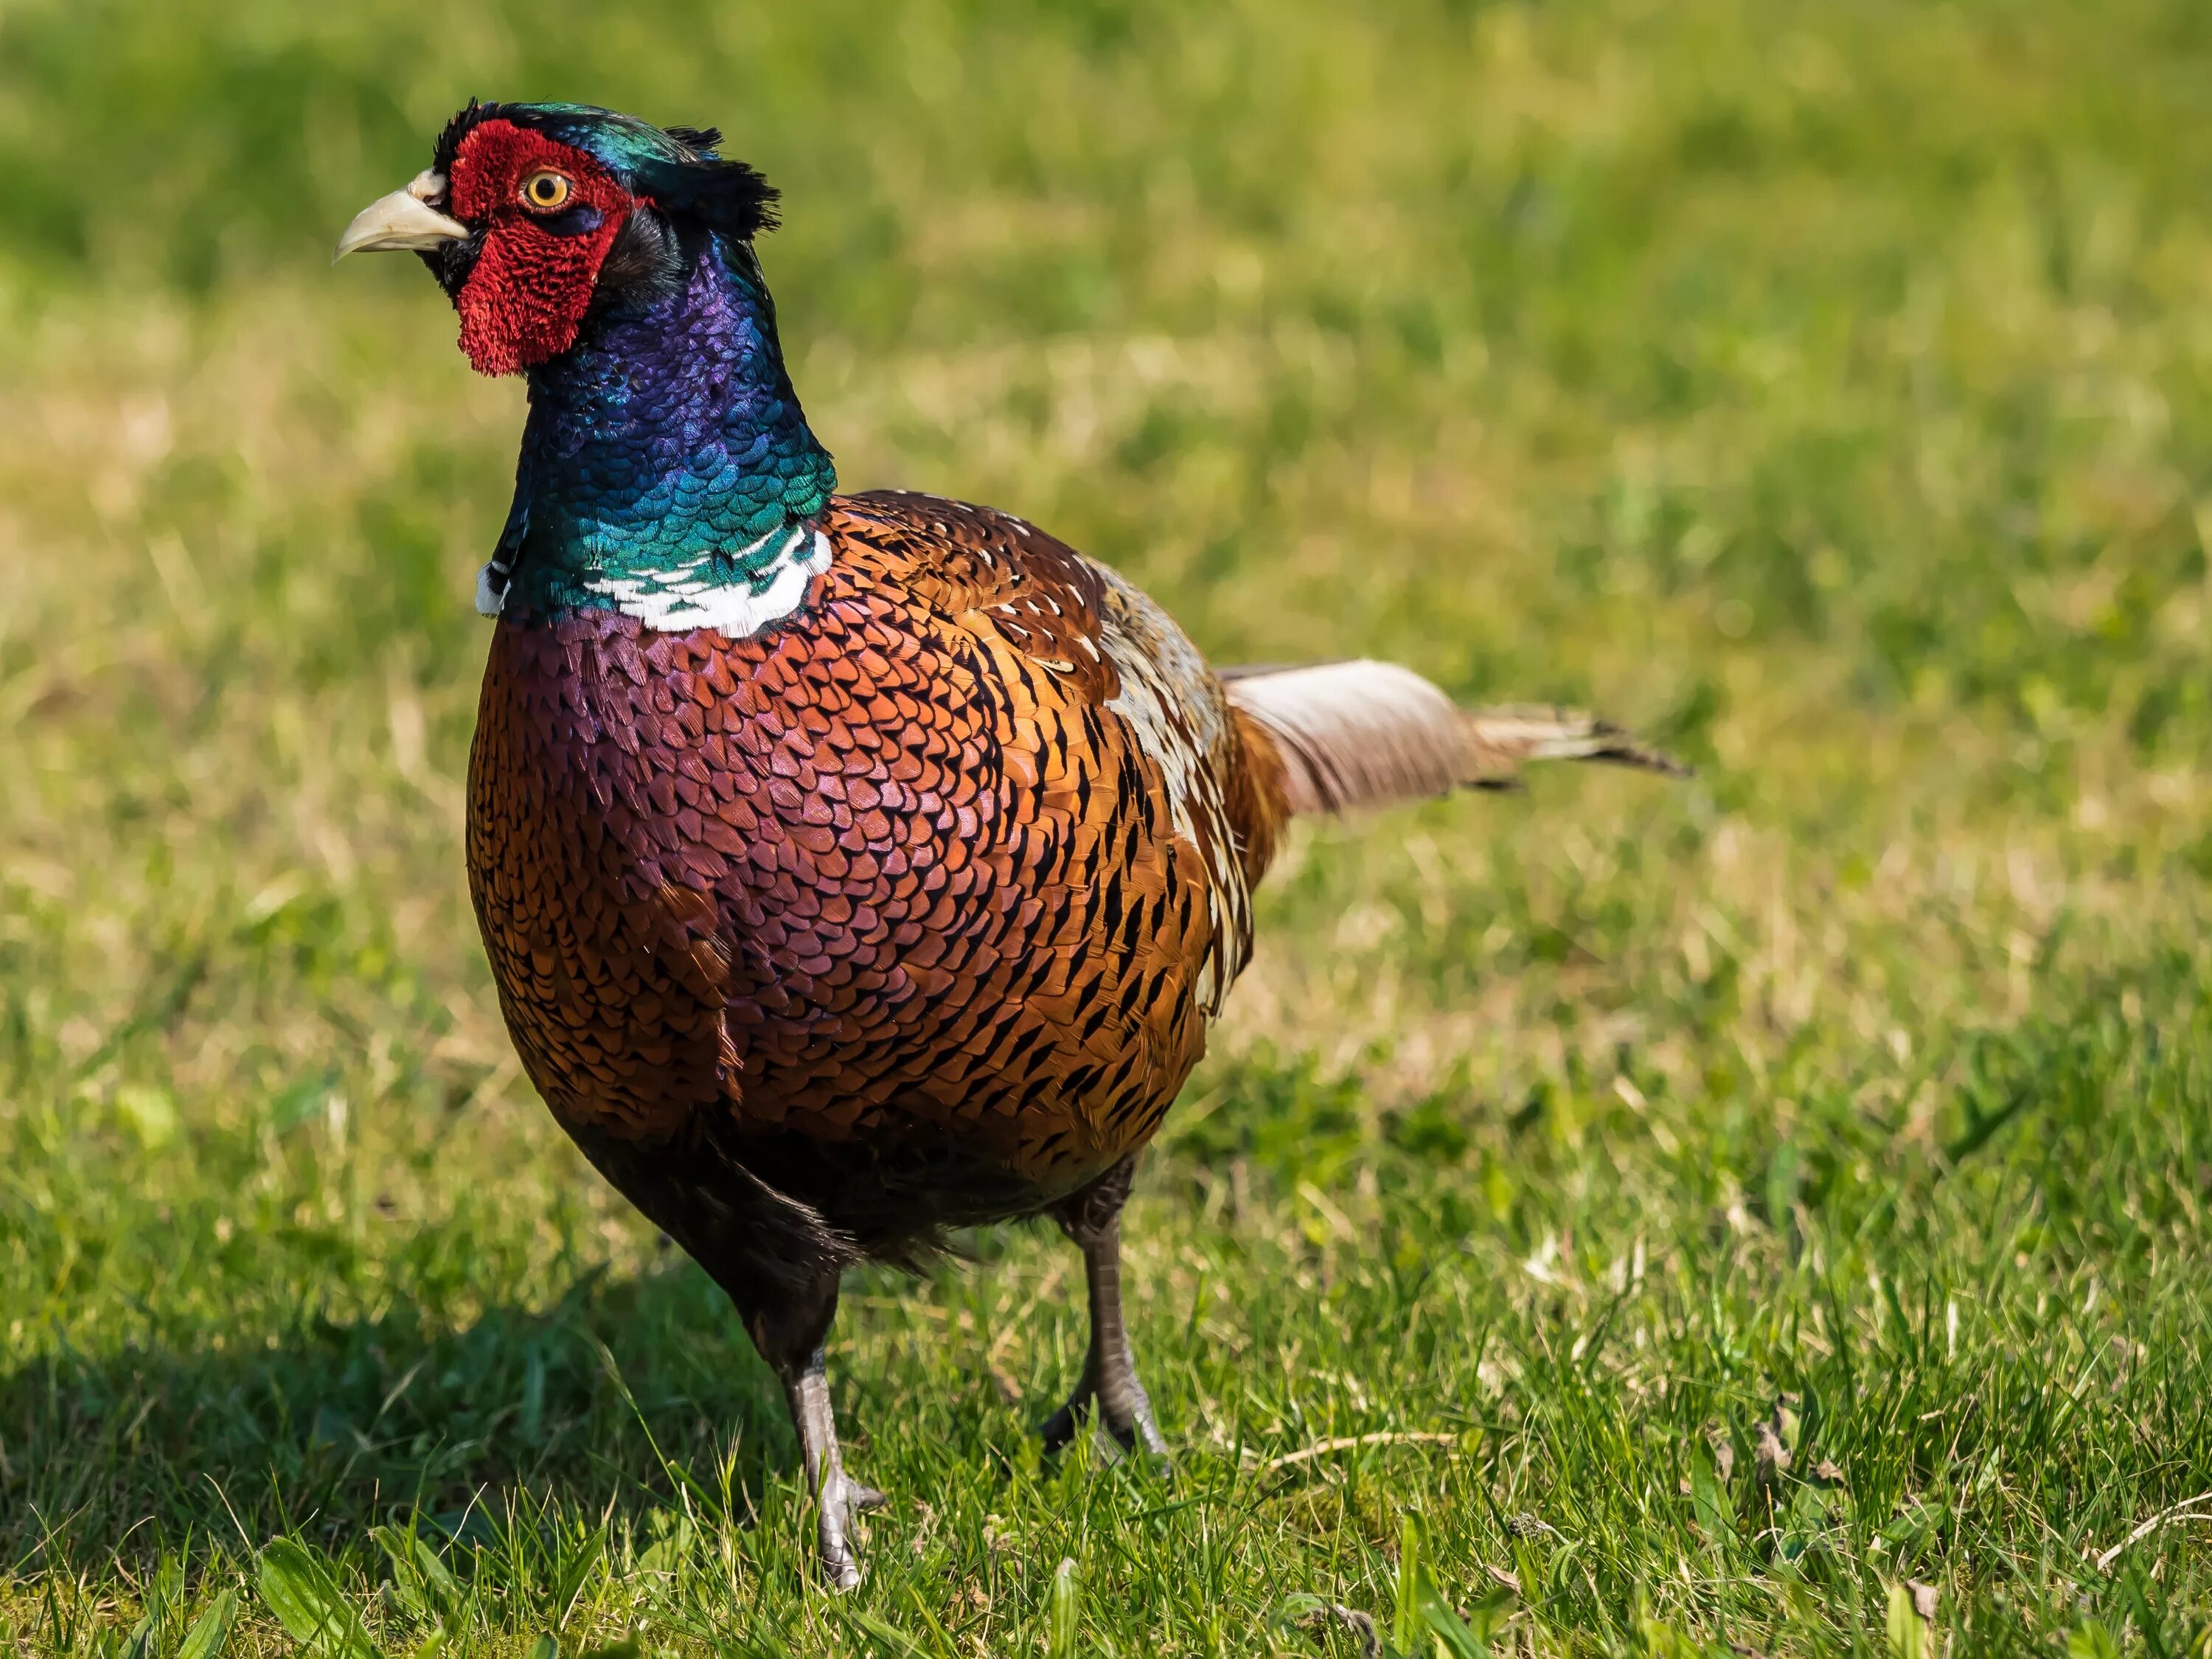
{"x":1366,"y":733}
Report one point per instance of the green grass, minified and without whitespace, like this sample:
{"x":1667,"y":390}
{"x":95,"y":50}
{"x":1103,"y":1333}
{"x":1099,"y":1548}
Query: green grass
{"x":1823,"y":388}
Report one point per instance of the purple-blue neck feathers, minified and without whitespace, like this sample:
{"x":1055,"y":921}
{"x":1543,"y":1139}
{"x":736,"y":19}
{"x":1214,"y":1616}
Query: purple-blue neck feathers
{"x":665,"y":454}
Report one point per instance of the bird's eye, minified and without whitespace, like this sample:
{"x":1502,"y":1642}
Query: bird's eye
{"x":545,"y":191}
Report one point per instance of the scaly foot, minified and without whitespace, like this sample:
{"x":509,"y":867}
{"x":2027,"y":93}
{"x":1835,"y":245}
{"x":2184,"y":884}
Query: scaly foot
{"x":1135,"y":1428}
{"x":840,"y":1503}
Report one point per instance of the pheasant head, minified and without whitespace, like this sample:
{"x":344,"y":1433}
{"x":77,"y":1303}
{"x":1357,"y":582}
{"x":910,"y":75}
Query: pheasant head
{"x":666,"y":469}
{"x":532,"y":216}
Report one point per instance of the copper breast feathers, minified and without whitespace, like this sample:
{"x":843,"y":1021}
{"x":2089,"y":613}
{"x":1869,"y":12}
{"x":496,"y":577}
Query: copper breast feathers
{"x":952,"y":855}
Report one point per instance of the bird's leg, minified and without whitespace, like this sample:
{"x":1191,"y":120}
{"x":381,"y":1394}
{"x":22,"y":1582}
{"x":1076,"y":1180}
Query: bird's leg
{"x":837,"y":1496}
{"x":789,"y":1337}
{"x":1092,"y":1217}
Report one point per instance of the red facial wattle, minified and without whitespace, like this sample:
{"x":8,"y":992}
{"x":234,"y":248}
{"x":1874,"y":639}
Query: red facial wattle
{"x":532,"y":284}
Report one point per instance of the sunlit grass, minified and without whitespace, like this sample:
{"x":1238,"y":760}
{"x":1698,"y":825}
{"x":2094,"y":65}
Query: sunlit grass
{"x":1825,"y":391}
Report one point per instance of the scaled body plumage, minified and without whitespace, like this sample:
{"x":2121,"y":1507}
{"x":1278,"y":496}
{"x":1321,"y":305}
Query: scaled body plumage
{"x":916,"y":907}
{"x":851,"y":866}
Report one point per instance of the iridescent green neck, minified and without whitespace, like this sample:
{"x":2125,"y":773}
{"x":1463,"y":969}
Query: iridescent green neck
{"x":667,"y":470}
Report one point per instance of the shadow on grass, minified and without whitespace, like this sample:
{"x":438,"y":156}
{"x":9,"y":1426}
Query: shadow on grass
{"x":607,"y":1402}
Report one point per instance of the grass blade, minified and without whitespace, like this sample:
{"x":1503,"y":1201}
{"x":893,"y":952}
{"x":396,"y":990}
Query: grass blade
{"x":1405,"y":1622}
{"x":297,"y":1584}
{"x":210,"y":1633}
{"x":1064,"y":1610}
{"x":896,"y":1641}
{"x":1908,"y":1630}
{"x":1448,"y":1628}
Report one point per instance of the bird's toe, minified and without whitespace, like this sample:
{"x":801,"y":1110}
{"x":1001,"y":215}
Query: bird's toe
{"x":1057,"y":1431}
{"x":841,"y":1568}
{"x":1141,"y":1443}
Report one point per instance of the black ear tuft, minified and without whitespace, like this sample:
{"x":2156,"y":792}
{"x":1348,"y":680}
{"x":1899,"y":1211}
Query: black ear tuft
{"x":725,"y":196}
{"x":449,"y":141}
{"x":702,"y":139}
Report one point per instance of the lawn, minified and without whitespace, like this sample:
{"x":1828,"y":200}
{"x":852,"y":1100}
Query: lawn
{"x":1691,"y":1215}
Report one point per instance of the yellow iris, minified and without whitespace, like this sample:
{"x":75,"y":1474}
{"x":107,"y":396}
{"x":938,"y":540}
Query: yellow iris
{"x":546,"y":192}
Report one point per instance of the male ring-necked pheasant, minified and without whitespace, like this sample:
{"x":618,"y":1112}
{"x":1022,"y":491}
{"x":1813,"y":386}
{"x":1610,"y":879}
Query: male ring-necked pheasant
{"x":851,"y":866}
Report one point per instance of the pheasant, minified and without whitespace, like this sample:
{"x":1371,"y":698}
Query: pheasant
{"x":852,"y":867}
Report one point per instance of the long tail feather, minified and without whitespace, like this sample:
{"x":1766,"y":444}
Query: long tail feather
{"x":1366,"y":733}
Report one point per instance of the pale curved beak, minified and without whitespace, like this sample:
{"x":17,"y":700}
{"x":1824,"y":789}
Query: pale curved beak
{"x":402,"y":220}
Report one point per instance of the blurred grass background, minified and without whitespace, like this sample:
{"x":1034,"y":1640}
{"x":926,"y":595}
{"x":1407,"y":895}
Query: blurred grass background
{"x":1771,"y":1189}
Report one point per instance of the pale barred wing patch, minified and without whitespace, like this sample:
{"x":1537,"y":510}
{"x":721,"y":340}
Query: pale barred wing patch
{"x":1174,"y":707}
{"x":1089,"y":628}
{"x":1366,"y":733}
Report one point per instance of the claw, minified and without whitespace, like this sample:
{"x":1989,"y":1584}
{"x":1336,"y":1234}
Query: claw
{"x":842,"y":1499}
{"x":1114,"y":1440}
{"x":838,"y":1570}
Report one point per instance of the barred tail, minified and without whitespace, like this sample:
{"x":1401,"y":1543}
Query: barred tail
{"x":1367,"y":733}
